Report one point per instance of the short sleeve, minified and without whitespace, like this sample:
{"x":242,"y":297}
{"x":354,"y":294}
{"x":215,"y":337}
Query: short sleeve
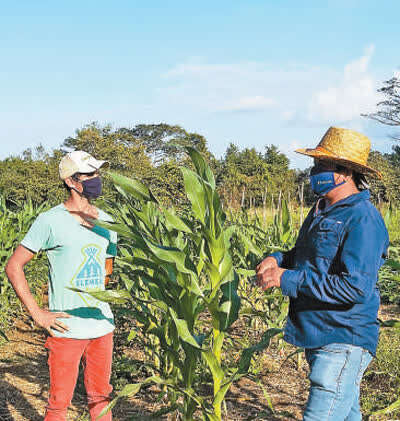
{"x":39,"y":235}
{"x":111,"y":236}
{"x":112,"y":245}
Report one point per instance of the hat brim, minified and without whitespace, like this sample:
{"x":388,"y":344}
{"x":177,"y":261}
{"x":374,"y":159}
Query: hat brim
{"x":321,"y":153}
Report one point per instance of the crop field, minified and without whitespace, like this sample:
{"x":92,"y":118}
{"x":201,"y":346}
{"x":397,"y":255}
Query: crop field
{"x":195,"y":338}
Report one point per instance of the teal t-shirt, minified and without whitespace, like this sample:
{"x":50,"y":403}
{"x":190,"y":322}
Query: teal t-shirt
{"x":76,"y":256}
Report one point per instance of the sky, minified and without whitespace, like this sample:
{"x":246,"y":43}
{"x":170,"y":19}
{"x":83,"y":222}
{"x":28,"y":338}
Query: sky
{"x":248,"y":72}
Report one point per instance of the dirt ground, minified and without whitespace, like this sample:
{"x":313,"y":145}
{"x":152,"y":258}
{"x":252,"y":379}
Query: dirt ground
{"x":24,"y":386}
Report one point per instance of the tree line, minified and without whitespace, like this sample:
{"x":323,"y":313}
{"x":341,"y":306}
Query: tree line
{"x":246,"y":178}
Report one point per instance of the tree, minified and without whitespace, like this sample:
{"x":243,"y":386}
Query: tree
{"x":389,"y":108}
{"x":161,"y":140}
{"x":281,"y":176}
{"x":385,"y":189}
{"x":125,"y":152}
{"x":255,"y":177}
{"x":33,"y":175}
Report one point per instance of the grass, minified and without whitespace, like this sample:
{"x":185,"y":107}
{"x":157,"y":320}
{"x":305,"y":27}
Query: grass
{"x":383,"y":376}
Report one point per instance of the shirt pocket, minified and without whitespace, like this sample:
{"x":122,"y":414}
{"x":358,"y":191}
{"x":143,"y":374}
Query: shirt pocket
{"x":325,"y":238}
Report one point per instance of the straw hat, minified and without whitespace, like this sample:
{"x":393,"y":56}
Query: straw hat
{"x":345,"y":147}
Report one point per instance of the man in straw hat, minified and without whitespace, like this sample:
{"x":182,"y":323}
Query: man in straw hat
{"x":80,"y":256}
{"x":330,"y":276}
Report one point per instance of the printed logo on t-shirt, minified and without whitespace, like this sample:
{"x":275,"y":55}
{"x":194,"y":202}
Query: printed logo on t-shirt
{"x":90,"y":273}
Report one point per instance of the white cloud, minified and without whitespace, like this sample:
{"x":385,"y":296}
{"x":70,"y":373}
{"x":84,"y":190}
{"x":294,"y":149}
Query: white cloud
{"x":293,"y":94}
{"x":245,"y":86}
{"x":285,"y":98}
{"x":353,"y":93}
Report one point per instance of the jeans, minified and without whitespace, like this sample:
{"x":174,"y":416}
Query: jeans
{"x":336,"y":371}
{"x":65,"y":355}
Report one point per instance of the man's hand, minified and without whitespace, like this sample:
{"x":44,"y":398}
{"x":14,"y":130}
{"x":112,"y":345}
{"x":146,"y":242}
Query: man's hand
{"x":270,"y":277}
{"x":268,"y":263}
{"x":49,"y":321}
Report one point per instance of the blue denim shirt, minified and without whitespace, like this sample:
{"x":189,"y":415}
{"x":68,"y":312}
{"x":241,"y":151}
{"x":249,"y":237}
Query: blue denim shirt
{"x":332,"y":275}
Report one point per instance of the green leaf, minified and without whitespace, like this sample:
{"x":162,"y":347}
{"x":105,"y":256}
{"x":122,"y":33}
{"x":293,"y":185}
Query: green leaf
{"x":393,"y":407}
{"x":390,"y":323}
{"x":285,"y":217}
{"x":244,"y":363}
{"x":174,"y":222}
{"x":228,"y":232}
{"x":266,"y":395}
{"x":388,"y":216}
{"x":202,"y":168}
{"x":195,"y":193}
{"x":128,"y":391}
{"x":112,"y":226}
{"x":249,"y":244}
{"x":4,"y":335}
{"x":183,"y":330}
{"x":132,"y":335}
{"x":132,"y":389}
{"x":108,"y":296}
{"x":214,"y":366}
{"x":247,"y":354}
{"x":248,"y":273}
{"x":216,"y":249}
{"x":133,"y":187}
{"x":172,"y":255}
{"x":394,"y":264}
{"x":229,"y":295}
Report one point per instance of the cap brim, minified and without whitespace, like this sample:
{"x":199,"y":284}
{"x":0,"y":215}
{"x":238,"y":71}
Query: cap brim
{"x":93,"y":165}
{"x":324,"y":154}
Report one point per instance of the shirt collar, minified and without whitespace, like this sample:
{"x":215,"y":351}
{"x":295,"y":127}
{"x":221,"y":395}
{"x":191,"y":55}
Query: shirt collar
{"x":347,"y":201}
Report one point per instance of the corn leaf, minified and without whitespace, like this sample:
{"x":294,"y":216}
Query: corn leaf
{"x":214,"y":366}
{"x":133,"y":187}
{"x":174,"y":222}
{"x":229,"y":313}
{"x":202,"y":168}
{"x":393,"y":407}
{"x":394,"y":264}
{"x":183,"y":330}
{"x":108,"y":296}
{"x":195,"y":193}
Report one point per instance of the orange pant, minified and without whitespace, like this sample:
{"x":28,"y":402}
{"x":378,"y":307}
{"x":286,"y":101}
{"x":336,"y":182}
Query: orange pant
{"x":65,"y":355}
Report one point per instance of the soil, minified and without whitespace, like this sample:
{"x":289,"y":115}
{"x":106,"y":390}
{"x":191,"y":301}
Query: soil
{"x":24,"y":385}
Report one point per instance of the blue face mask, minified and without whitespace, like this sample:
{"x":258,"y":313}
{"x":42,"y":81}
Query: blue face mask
{"x":323,"y":182}
{"x":92,"y":188}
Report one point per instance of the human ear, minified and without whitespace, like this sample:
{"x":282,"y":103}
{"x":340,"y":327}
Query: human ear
{"x":74,"y":184}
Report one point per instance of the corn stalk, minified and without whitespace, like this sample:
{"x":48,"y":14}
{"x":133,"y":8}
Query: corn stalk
{"x":175,"y":270}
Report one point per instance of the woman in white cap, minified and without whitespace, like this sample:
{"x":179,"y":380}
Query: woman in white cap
{"x":80,"y":256}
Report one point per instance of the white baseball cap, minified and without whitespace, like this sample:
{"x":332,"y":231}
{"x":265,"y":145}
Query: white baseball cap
{"x":79,"y":161}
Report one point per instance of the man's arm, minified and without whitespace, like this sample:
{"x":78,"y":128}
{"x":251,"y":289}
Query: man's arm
{"x":15,"y":272}
{"x":282,"y":259}
{"x":277,"y":262}
{"x":360,"y":259}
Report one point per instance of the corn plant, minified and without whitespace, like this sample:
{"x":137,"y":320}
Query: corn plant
{"x":180,"y":282}
{"x":252,"y":240}
{"x":13,"y":226}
